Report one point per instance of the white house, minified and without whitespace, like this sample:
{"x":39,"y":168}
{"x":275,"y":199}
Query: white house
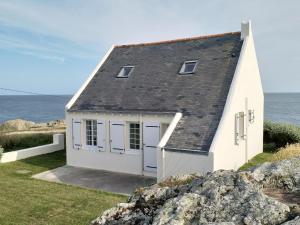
{"x":171,"y":107}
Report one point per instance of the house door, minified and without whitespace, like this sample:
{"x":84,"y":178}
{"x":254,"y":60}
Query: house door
{"x":117,"y":143}
{"x":151,"y":137}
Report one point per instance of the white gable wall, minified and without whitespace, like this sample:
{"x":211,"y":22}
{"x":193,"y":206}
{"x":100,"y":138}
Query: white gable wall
{"x":245,"y":94}
{"x":128,"y":162}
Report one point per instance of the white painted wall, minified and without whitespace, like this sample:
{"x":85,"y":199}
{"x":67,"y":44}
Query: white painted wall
{"x":129,"y":162}
{"x":180,"y":163}
{"x":245,"y":93}
{"x":58,"y":144}
{"x":172,"y":163}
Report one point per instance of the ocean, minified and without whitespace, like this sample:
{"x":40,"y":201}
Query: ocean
{"x":279,"y":107}
{"x":37,"y":108}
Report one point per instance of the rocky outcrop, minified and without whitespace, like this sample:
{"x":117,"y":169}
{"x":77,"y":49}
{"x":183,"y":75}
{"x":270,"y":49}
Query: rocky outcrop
{"x":25,"y":125}
{"x":219,"y":198}
{"x":295,"y":221}
{"x":16,"y":125}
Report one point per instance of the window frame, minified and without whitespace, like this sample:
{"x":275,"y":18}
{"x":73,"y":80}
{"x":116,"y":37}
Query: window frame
{"x":129,"y":149}
{"x":94,"y":134}
{"x":122,"y":71}
{"x":182,"y":69}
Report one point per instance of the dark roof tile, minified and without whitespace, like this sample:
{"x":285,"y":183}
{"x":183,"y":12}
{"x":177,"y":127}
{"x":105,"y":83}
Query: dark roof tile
{"x":156,"y":87}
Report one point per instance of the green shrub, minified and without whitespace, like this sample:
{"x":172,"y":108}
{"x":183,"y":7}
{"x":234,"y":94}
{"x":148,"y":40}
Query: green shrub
{"x":281,"y":134}
{"x":21,"y":141}
{"x":270,"y":147}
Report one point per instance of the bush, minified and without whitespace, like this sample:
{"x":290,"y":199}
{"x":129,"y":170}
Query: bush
{"x":287,"y":152}
{"x":281,"y":134}
{"x":21,"y":141}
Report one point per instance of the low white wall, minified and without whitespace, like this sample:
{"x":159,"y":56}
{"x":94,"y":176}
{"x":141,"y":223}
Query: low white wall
{"x":180,"y":163}
{"x":116,"y":162}
{"x":58,"y":144}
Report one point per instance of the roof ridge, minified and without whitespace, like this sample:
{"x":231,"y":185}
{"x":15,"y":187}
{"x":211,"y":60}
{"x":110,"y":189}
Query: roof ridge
{"x":180,"y":39}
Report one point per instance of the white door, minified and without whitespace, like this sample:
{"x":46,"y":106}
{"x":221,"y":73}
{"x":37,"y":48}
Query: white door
{"x":100,"y":135}
{"x":117,"y":143}
{"x":76,"y":133}
{"x":151,"y":137}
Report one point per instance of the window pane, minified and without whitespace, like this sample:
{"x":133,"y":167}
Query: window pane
{"x":127,"y":71}
{"x":134,"y":136}
{"x":91,"y":132}
{"x":189,"y":67}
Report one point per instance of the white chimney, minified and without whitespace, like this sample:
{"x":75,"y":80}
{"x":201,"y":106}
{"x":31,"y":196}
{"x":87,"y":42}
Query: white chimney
{"x":245,"y":29}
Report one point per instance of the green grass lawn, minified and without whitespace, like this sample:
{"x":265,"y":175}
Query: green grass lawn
{"x":269,"y":150}
{"x":256,"y":160}
{"x":24,"y":200}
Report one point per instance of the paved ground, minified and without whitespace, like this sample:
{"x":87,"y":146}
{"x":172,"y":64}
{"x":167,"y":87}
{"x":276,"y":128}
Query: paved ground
{"x":96,"y":179}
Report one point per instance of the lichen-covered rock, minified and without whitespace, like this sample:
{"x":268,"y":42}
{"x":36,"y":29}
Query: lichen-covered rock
{"x":223,"y":196}
{"x":218,"y":198}
{"x":282,"y":174}
{"x":295,"y":221}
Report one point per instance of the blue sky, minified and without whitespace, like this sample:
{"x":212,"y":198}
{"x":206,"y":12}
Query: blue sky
{"x":52,"y":46}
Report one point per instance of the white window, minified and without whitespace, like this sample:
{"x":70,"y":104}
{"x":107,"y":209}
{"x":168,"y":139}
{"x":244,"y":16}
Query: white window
{"x":91,"y":132}
{"x":134,"y":136}
{"x":125,"y":71}
{"x":188,"y":67}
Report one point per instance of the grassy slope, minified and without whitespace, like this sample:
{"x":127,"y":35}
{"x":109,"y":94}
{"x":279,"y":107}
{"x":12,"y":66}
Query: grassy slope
{"x":272,"y":154}
{"x":256,"y":160}
{"x":269,"y":150}
{"x":24,"y":200}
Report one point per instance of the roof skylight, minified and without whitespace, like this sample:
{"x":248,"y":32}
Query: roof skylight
{"x":125,"y":71}
{"x":188,"y":67}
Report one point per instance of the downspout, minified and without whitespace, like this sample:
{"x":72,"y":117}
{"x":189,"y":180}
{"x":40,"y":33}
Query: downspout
{"x":246,"y":124}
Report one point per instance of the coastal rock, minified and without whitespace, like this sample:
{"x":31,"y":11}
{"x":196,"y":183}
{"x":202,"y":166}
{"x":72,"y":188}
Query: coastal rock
{"x":223,"y":197}
{"x":16,"y":125}
{"x":282,"y":174}
{"x":25,"y":125}
{"x":295,"y":221}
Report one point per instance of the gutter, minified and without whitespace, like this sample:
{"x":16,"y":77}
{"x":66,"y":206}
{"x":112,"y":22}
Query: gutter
{"x":187,"y":150}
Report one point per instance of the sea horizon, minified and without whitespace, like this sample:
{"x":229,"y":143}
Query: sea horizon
{"x":281,"y":107}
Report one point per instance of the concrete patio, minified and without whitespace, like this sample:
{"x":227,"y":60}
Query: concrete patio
{"x":96,"y":179}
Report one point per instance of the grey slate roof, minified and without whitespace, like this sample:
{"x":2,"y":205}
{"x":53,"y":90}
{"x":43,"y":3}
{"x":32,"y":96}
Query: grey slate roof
{"x":155,"y":86}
